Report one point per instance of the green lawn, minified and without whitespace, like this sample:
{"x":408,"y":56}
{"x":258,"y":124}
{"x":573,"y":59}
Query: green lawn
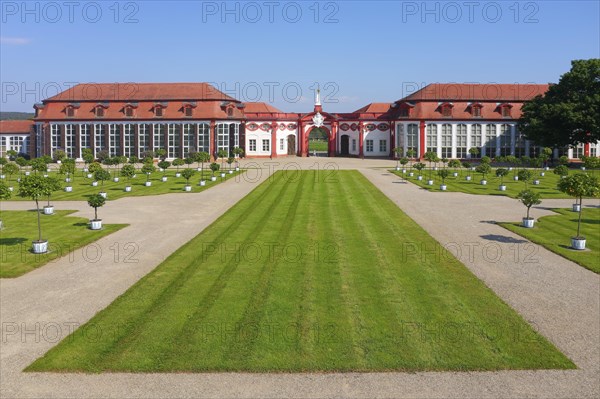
{"x":64,"y":234}
{"x":82,"y":186}
{"x":547,"y":187}
{"x":555,"y":232}
{"x":320,"y":272}
{"x":317,"y":145}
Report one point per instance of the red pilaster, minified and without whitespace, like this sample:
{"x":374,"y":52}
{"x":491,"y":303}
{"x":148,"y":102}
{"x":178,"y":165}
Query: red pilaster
{"x":360,"y":139}
{"x":586,"y":149}
{"x":421,"y":139}
{"x":300,"y":136}
{"x":333,"y":139}
{"x":213,"y":139}
{"x":392,"y":139}
{"x":274,"y":127}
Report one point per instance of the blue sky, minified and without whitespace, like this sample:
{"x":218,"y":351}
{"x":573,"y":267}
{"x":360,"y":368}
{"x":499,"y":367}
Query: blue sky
{"x":275,"y":51}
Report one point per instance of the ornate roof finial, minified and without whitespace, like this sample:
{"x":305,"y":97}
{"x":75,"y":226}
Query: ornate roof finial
{"x":318,"y":96}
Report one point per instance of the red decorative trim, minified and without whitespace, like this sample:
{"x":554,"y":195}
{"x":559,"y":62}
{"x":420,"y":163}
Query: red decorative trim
{"x":354,"y":126}
{"x":252,"y":127}
{"x":345,"y":127}
{"x":292,"y":126}
{"x":383,"y":127}
{"x":370,"y":127}
{"x":282,"y":126}
{"x":265,"y":127}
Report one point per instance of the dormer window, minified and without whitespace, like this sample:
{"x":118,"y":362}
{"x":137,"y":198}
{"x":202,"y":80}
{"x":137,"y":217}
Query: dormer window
{"x":129,"y":112}
{"x":188,"y":111}
{"x":476,"y":110}
{"x":70,"y":112}
{"x":99,"y":111}
{"x":505,"y":110}
{"x":229,"y":111}
{"x":404,"y":109}
{"x":446,"y":110}
{"x":158,"y":111}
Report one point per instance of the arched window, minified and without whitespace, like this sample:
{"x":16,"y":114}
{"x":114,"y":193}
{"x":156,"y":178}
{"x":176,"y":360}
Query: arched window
{"x":431,"y":138}
{"x":490,"y":140}
{"x":505,"y":140}
{"x":476,"y":141}
{"x":446,"y":140}
{"x":461,"y":141}
{"x":412,"y":137}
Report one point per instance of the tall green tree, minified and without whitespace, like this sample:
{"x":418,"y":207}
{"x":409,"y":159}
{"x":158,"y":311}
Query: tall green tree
{"x":569,"y":113}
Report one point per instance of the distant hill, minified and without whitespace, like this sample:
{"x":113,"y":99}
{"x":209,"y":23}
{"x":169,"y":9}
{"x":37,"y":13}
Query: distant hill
{"x":12,"y":116}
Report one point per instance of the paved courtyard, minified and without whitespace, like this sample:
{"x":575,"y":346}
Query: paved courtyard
{"x":560,"y":299}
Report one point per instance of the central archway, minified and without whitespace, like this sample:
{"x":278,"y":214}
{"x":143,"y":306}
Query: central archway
{"x":318,"y":142}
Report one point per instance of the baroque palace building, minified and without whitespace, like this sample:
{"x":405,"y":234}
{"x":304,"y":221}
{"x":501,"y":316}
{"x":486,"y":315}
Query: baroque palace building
{"x":134,"y":118}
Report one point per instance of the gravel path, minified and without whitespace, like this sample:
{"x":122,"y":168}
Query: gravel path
{"x":557,"y":297}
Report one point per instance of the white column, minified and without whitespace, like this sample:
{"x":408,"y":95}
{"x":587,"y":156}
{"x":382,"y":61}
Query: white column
{"x":498,"y":132}
{"x":483,"y":138}
{"x":453,"y":153}
{"x":469,"y":132}
{"x":438,"y":149}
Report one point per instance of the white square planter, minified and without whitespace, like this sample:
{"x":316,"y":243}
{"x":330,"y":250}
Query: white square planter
{"x":516,"y":178}
{"x":127,"y":189}
{"x":576,"y":207}
{"x":163,"y":179}
{"x":188,"y":188}
{"x":103,"y":194}
{"x":430,"y":182}
{"x":542,"y":174}
{"x":419,"y":178}
{"x":443,"y":187}
{"x":237,"y":169}
{"x":94,"y":184}
{"x":116,"y":179}
{"x":148,"y":183}
{"x":231,"y":172}
{"x":411,"y":174}
{"x":213,"y":178}
{"x":68,"y":189}
{"x":27,"y":173}
{"x":202,"y":183}
{"x":455,"y":174}
{"x":177,"y":174}
{"x":468,"y":178}
{"x":536,"y":182}
{"x":89,"y":175}
{"x":222,"y":174}
{"x":502,"y":188}
{"x":483,"y":182}
{"x":68,"y":180}
{"x":49,"y":210}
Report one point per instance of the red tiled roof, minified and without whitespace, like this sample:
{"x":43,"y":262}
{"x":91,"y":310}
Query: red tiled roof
{"x":373,"y":108}
{"x":143,"y":111}
{"x":256,"y":108}
{"x":428,"y":110}
{"x":477,"y":92}
{"x":141,"y":92}
{"x":19,"y":127}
